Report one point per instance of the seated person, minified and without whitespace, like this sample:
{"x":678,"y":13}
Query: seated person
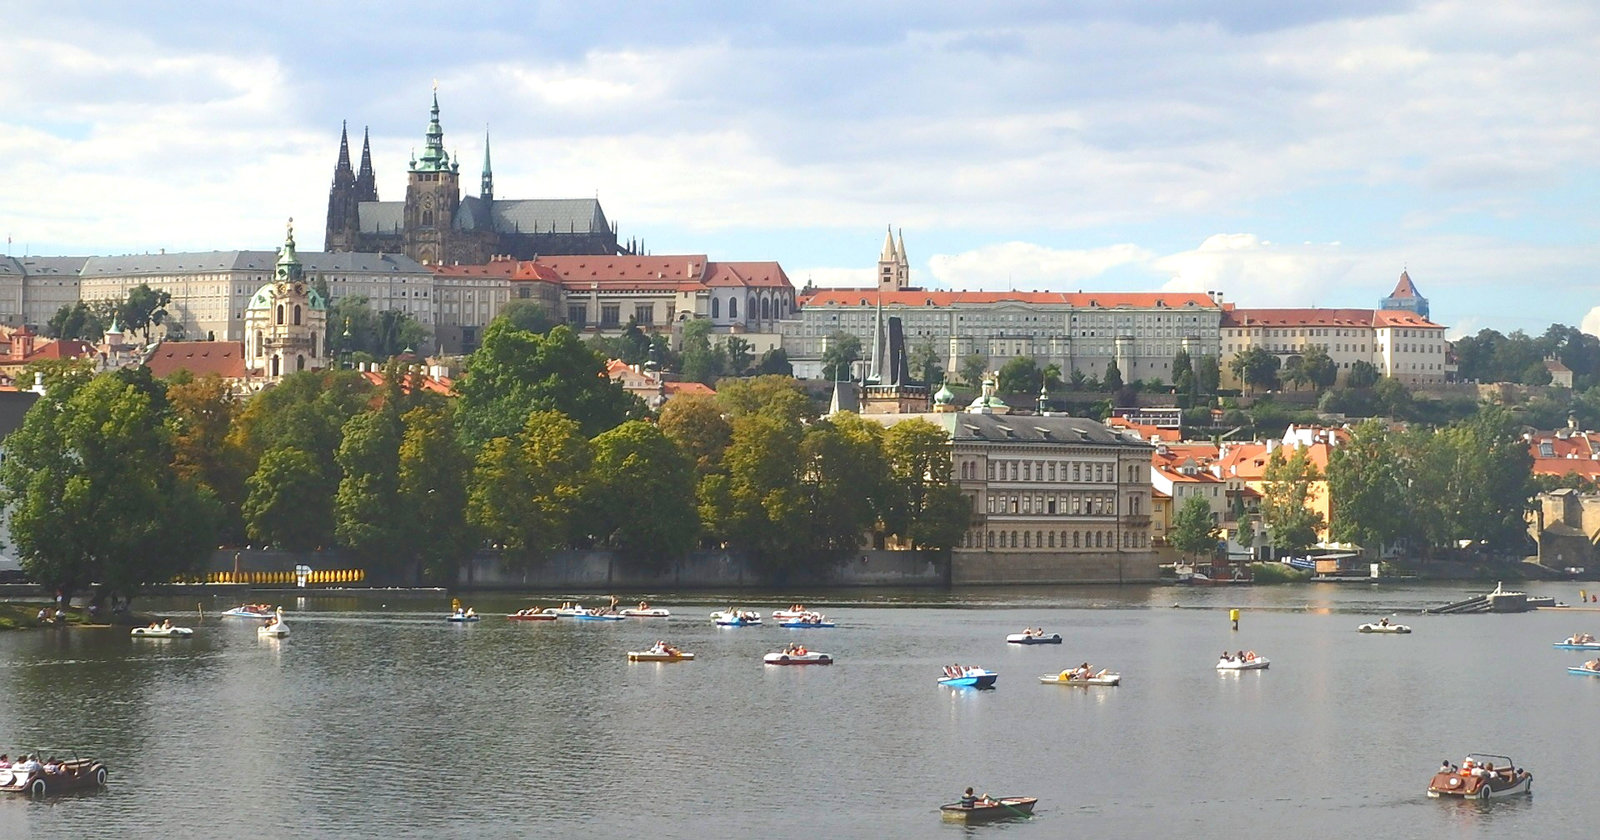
{"x":1384,"y":623}
{"x":29,"y":764}
{"x":52,"y":765}
{"x":1446,"y":767}
{"x":5,"y":760}
{"x":1227,"y":657}
{"x":968,"y":799}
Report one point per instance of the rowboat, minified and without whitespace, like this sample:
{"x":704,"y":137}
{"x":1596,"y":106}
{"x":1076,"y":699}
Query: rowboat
{"x":161,"y":632}
{"x":1034,"y":639}
{"x":1258,"y":663}
{"x":970,"y":678}
{"x":807,"y":658}
{"x":1384,"y":628}
{"x":1005,"y":807}
{"x":651,"y":612}
{"x":654,"y":655}
{"x":1066,"y":678}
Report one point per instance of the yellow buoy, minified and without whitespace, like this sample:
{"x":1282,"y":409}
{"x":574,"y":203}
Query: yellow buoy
{"x":1233,"y":615}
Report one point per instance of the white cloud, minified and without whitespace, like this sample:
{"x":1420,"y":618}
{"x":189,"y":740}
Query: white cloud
{"x":1255,"y":272}
{"x":1025,"y":265}
{"x":1591,"y":322}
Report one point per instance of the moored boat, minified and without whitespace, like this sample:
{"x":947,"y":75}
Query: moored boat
{"x":165,"y":632}
{"x":960,"y":677}
{"x":1384,"y":627}
{"x":1034,"y":636}
{"x":986,"y":810}
{"x":1481,"y":776}
{"x":1102,"y":677}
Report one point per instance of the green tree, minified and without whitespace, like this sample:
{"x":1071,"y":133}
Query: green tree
{"x":929,"y":510}
{"x":527,"y":315}
{"x":287,"y":502}
{"x":1319,"y":368}
{"x":760,"y":507}
{"x":845,"y":483}
{"x":366,"y":510}
{"x":695,"y":422}
{"x":1255,"y":368}
{"x":1367,"y":488}
{"x":740,"y":356}
{"x":1293,"y":373}
{"x":843,"y":350}
{"x":633,"y":346}
{"x":143,"y":308}
{"x":1207,"y":374}
{"x":516,"y":372}
{"x":924,"y":362}
{"x":973,"y":367}
{"x":777,"y":395}
{"x":526,"y":487}
{"x":200,"y":415}
{"x":90,"y":497}
{"x":1362,"y":374}
{"x":1285,"y":508}
{"x":76,"y":321}
{"x":1112,"y":381}
{"x":641,"y":495}
{"x":1185,"y":385}
{"x":1194,"y":530}
{"x":775,"y":362}
{"x":702,"y":362}
{"x":381,"y":335}
{"x":433,"y":472}
{"x":1020,"y":375}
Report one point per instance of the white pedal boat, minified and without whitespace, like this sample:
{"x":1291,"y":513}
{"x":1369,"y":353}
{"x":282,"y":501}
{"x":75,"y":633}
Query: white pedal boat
{"x":654,"y":655}
{"x":807,"y":658}
{"x":1384,"y":628}
{"x":161,"y":632}
{"x":736,"y":618}
{"x":649,"y":612}
{"x":1259,"y":663}
{"x":790,"y":615}
{"x":1034,"y":639}
{"x":276,"y":630}
{"x":1066,"y":678}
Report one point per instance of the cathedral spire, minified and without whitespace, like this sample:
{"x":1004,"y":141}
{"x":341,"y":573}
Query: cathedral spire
{"x":487,"y":190}
{"x":888,"y":246}
{"x":366,"y":182}
{"x":434,"y":158}
{"x":342,"y":174}
{"x":900,"y":249}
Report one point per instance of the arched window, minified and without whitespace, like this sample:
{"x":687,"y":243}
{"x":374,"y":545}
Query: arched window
{"x":766,"y":309}
{"x":261,"y":344}
{"x":299,"y":362}
{"x":1052,"y":539}
{"x":733,"y":308}
{"x":1038,"y":539}
{"x":1027,"y":541}
{"x":297,"y":314}
{"x":1075,"y":540}
{"x":991,"y":539}
{"x":427,"y":218}
{"x":280,"y":313}
{"x":716,"y":308}
{"x":751,"y":310}
{"x":313,"y":345}
{"x":274,"y":365}
{"x":1013,"y":539}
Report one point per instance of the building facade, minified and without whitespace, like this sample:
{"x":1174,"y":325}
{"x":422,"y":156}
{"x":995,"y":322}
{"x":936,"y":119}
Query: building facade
{"x":1400,"y":344}
{"x":437,"y":225}
{"x":1405,"y":298}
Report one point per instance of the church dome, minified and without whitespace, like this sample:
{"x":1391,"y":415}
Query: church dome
{"x":944,"y":396}
{"x":264,"y":297}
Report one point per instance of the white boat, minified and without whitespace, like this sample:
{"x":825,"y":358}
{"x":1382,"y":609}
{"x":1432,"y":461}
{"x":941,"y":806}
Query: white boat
{"x":256,"y":611}
{"x":1250,"y":663}
{"x":1040,"y":638}
{"x":790,"y":614}
{"x":808,"y":658}
{"x":161,"y":632}
{"x":645,"y":612}
{"x":736,"y":618}
{"x":1380,"y":627}
{"x":571,"y":610}
{"x":275,"y":628}
{"x":1066,"y":678}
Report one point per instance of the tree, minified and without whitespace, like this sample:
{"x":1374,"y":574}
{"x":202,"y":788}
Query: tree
{"x":200,"y":414}
{"x":1393,"y":398}
{"x":695,"y":423}
{"x":1194,"y":530}
{"x":843,"y":350}
{"x":1362,"y":374}
{"x":1285,"y":503}
{"x":433,"y":472}
{"x":366,"y":509}
{"x":381,"y":335}
{"x":90,"y":497}
{"x":924,"y":362}
{"x":640,"y":495}
{"x":1367,"y":488}
{"x":1077,"y":381}
{"x":143,"y":308}
{"x":527,"y":315}
{"x":1207,"y":374}
{"x":760,"y":507}
{"x":516,"y":372}
{"x":1112,"y":381}
{"x":1318,"y":367}
{"x":1020,"y":375}
{"x":777,"y":395}
{"x":287,"y":502}
{"x":740,"y":356}
{"x":1293,"y":373}
{"x":845,"y":483}
{"x":1255,"y":368}
{"x":775,"y":362}
{"x":76,"y":321}
{"x":702,"y":362}
{"x":1185,"y":385}
{"x":928,"y":509}
{"x":633,"y":346}
{"x":526,"y":487}
{"x":973,"y":367}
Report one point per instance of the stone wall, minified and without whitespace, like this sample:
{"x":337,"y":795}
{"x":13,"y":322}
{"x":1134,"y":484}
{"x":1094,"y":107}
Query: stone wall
{"x":980,"y":568}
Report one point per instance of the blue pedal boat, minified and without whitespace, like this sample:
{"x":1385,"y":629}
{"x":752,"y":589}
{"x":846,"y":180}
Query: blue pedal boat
{"x":971,"y":678}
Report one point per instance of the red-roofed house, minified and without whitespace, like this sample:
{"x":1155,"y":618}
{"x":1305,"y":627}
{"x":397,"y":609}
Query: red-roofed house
{"x":651,"y":386}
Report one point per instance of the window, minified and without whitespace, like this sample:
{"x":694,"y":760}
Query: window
{"x":280,"y":313}
{"x":733,"y":308}
{"x":716,"y":308}
{"x":644,"y":313}
{"x":297,"y":314}
{"x":610,"y":315}
{"x":578,"y":315}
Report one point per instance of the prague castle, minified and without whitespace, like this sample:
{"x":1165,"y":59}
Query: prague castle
{"x":437,"y":225}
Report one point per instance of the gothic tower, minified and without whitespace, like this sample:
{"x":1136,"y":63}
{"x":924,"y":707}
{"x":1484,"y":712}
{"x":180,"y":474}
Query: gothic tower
{"x":433,"y":193}
{"x":366,"y":182}
{"x":894,"y":272}
{"x":486,"y":189}
{"x":344,"y":218}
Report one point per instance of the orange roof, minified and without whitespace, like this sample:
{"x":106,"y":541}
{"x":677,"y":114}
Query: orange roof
{"x":493,"y":268}
{"x":677,"y":388}
{"x":748,"y":275}
{"x":1567,"y":466}
{"x":1153,"y":434}
{"x":1577,"y":446}
{"x":1316,"y":317}
{"x":1080,"y":300}
{"x":1399,"y":318}
{"x":1405,"y":288}
{"x":201,"y":358}
{"x":432,"y":385}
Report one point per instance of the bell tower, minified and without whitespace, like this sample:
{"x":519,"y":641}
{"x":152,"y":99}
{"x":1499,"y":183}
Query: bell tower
{"x":433,"y":193}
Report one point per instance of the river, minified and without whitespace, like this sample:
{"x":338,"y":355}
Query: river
{"x":376,"y":718}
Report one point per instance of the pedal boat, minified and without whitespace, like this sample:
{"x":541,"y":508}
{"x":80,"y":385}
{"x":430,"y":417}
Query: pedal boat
{"x":654,"y":655}
{"x":1506,"y":780}
{"x":807,"y":658}
{"x":971,"y":678}
{"x":161,"y":632}
{"x":1066,"y":678}
{"x":1259,"y":663}
{"x":735,"y":618}
{"x":1384,"y":628}
{"x":1028,"y":639}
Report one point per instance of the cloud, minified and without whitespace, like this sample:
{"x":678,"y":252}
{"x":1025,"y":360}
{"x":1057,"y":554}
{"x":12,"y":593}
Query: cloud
{"x":1025,"y":265}
{"x":1255,"y":272}
{"x":1591,"y":322}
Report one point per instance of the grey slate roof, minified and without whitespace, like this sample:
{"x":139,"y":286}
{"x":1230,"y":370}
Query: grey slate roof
{"x":9,"y":265}
{"x":544,"y":215}
{"x":382,"y":216}
{"x":52,"y":266}
{"x":267,"y":261}
{"x":1022,"y":428}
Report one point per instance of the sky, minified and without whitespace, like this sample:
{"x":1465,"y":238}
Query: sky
{"x":1284,"y":154}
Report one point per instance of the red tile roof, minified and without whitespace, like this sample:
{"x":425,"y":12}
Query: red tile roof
{"x":430,"y":384}
{"x":1564,"y":466}
{"x":223,"y":358}
{"x":1324,"y":318}
{"x":1404,"y":288}
{"x":1081,"y":300}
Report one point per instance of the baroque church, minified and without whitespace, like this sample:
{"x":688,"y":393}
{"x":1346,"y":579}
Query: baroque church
{"x":437,"y":225}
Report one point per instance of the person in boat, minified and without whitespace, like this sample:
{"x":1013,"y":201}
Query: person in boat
{"x":5,"y":761}
{"x":1384,"y":623}
{"x":1226,"y":656}
{"x":52,"y":765}
{"x":1446,"y":767}
{"x":644,"y":605}
{"x":166,"y":625}
{"x":1467,"y":766}
{"x":1239,"y":656}
{"x":472,"y":613}
{"x":1592,"y":665}
{"x":28,"y":765}
{"x":968,"y":799}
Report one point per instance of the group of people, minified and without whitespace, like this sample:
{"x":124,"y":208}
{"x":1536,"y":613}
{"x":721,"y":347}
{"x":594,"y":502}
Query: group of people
{"x":1469,"y":767}
{"x":1033,"y":632}
{"x":955,"y":671}
{"x":469,"y":612}
{"x":1580,"y":639}
{"x":56,"y":616}
{"x":1241,"y":656}
{"x":1592,"y":665}
{"x":160,"y":625}
{"x":1082,"y":672}
{"x":662,"y":647}
{"x":29,"y":763}
{"x":792,"y":649}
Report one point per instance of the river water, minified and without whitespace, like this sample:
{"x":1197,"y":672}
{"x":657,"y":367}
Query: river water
{"x":376,"y":718}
